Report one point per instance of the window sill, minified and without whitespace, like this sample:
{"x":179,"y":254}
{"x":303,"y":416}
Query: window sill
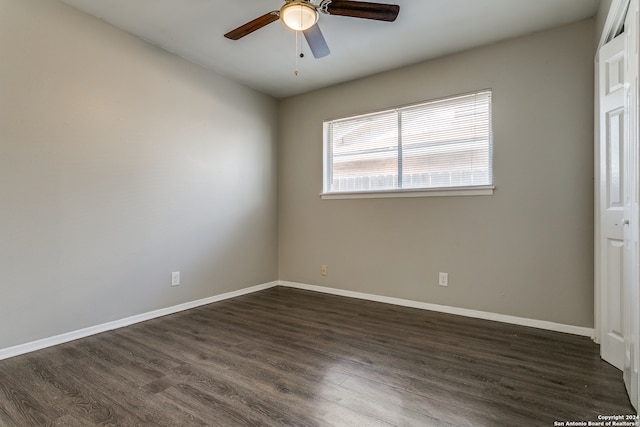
{"x":439,"y":192}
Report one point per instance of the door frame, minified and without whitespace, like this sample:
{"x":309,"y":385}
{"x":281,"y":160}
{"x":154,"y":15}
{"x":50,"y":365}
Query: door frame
{"x":614,"y":22}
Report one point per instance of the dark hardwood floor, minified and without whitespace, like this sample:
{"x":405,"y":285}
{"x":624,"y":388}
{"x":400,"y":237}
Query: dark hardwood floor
{"x":291,"y":357}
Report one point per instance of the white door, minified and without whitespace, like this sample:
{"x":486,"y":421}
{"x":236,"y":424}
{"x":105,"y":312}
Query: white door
{"x":630,"y":294}
{"x":611,"y":209}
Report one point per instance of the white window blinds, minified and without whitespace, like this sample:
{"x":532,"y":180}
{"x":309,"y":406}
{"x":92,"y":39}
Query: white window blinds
{"x":439,"y":144}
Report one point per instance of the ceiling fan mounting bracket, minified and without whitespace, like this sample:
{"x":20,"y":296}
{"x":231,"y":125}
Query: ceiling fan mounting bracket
{"x":324,"y":6}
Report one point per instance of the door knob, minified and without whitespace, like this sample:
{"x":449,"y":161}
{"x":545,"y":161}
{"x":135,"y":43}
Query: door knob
{"x":625,"y":222}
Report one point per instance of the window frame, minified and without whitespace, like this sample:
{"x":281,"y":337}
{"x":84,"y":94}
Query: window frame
{"x":474,"y":190}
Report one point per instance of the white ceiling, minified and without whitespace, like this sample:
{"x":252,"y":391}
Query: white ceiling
{"x":266,"y":59}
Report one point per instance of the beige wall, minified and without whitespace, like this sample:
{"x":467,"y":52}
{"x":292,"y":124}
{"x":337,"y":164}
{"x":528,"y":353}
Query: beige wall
{"x":120,"y":163}
{"x":525,"y":251}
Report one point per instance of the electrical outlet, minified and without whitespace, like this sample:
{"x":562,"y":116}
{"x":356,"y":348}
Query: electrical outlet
{"x":444,"y":279}
{"x":175,"y":278}
{"x":323,"y":270}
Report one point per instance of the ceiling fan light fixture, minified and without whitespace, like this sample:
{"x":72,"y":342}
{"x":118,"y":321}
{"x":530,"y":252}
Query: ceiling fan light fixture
{"x":298,"y":16}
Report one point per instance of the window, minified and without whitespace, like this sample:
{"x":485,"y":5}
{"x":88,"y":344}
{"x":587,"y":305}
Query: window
{"x":444,"y":144}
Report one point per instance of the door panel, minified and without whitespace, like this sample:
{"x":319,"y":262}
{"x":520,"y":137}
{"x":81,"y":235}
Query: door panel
{"x":615,"y":159}
{"x":612,"y":196}
{"x":618,"y":195}
{"x":612,"y":349}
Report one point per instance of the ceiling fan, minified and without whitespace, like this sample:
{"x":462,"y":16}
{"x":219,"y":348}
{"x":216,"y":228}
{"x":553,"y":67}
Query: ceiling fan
{"x":302,"y":15}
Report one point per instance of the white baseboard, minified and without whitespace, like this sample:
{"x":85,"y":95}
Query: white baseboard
{"x":522,"y":321}
{"x":17,"y":350}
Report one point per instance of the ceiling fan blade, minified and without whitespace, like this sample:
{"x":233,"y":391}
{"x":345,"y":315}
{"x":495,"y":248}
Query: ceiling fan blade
{"x":254,"y":25}
{"x":316,"y":42}
{"x":363,"y":9}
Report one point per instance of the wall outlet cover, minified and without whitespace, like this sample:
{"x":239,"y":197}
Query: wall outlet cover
{"x":444,"y":279}
{"x":175,"y":278}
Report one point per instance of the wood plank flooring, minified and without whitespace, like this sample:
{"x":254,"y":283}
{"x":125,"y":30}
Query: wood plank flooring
{"x":286,"y":357}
